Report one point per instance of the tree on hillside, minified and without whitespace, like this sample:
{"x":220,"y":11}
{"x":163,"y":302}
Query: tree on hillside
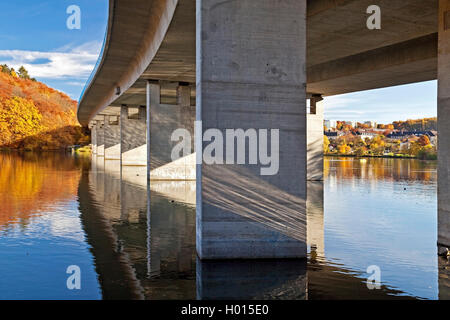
{"x":23,"y":73}
{"x":13,"y":73}
{"x":19,"y":118}
{"x":5,"y":69}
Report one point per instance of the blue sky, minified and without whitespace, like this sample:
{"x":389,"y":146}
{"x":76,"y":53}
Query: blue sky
{"x":34,"y":34}
{"x":412,"y":101}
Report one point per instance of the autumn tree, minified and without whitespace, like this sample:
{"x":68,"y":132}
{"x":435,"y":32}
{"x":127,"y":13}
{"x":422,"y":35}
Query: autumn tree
{"x":5,"y":69}
{"x":19,"y":118}
{"x":13,"y":73}
{"x":326,"y":144}
{"x":424,"y":140}
{"x":344,"y":149}
{"x":23,"y":73}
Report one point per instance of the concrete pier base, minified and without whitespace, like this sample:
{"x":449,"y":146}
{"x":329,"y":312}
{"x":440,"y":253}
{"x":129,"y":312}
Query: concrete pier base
{"x":444,"y":126}
{"x":133,"y":137}
{"x":171,"y":125}
{"x":251,"y":74}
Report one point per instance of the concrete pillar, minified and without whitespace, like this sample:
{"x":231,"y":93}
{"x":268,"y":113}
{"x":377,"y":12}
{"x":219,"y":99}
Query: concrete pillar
{"x":166,"y":120}
{"x":315,"y":139}
{"x":94,"y":138}
{"x":251,"y":75}
{"x":100,"y":139}
{"x":112,"y":138}
{"x":444,"y":125}
{"x":133,"y":137}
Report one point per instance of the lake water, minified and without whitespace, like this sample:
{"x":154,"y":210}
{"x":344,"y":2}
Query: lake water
{"x":58,"y":211}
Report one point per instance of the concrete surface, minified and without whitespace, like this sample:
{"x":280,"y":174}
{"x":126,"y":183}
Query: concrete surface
{"x":246,"y":80}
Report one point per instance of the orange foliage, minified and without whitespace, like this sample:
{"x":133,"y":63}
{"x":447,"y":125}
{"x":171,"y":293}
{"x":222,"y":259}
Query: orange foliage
{"x":47,"y":112}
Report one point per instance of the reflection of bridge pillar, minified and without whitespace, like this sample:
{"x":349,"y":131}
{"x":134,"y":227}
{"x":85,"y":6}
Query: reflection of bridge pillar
{"x":444,"y":124}
{"x":249,"y":279}
{"x":246,"y":80}
{"x":94,"y":138}
{"x":315,"y":139}
{"x":444,"y":278}
{"x":133,"y":137}
{"x":100,"y":139}
{"x":166,"y":120}
{"x":112,"y":138}
{"x":315,"y":218}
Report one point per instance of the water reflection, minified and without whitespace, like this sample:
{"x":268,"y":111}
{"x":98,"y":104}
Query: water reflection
{"x":29,"y":182}
{"x":40,"y":230}
{"x":61,"y":210}
{"x":271,"y":279}
{"x":156,"y":242}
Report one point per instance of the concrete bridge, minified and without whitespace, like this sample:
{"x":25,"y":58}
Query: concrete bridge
{"x":248,"y":64}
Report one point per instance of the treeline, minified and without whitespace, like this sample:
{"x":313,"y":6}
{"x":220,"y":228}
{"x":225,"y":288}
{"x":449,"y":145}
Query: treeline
{"x":35,"y":116}
{"x":416,"y":125}
{"x":21,"y":73}
{"x":379,"y":146}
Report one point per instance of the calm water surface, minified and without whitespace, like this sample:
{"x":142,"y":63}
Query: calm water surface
{"x":58,"y":210}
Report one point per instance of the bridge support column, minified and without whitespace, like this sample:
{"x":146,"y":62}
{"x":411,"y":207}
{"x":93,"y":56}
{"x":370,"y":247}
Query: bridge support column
{"x":444,"y":125}
{"x":171,"y":125}
{"x":133,"y":137}
{"x":112,"y":138}
{"x":251,"y":75}
{"x":100,"y":139}
{"x":315,"y":139}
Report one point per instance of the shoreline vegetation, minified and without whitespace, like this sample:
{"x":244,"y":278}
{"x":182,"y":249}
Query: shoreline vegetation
{"x":395,"y":156}
{"x":34,"y":116}
{"x":411,"y":139}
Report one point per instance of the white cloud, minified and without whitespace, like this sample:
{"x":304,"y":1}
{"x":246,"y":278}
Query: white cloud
{"x":67,"y":62}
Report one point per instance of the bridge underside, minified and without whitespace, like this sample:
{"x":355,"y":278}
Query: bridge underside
{"x":238,"y":64}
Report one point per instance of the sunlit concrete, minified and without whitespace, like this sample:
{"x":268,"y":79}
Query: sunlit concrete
{"x":314,"y":137}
